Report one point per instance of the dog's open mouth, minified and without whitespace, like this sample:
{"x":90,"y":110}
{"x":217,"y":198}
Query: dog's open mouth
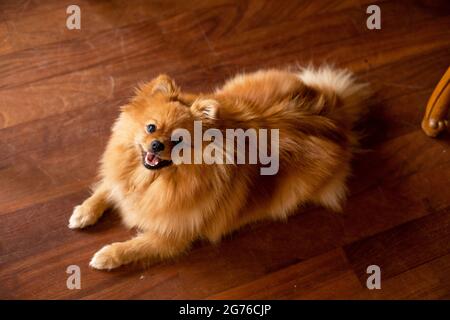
{"x":153,"y":161}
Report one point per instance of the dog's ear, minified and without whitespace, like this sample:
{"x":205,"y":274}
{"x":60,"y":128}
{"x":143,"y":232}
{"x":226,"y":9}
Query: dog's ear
{"x":207,"y":109}
{"x":163,"y":84}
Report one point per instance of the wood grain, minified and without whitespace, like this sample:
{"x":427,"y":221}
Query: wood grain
{"x":60,"y":91}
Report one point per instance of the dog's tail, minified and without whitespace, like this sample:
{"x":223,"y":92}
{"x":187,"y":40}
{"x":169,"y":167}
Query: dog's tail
{"x":341,"y":97}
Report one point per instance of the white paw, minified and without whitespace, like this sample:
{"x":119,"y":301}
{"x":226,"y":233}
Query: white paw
{"x":81,"y":217}
{"x":106,"y":258}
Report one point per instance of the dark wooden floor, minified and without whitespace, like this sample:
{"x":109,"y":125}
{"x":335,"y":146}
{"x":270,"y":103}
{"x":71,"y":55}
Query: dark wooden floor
{"x":60,"y":91}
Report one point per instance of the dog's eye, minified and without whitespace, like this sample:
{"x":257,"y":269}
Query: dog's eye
{"x":151,"y":128}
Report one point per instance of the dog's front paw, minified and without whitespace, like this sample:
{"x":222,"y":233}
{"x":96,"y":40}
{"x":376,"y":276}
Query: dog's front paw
{"x":107,"y":258}
{"x":81,"y":217}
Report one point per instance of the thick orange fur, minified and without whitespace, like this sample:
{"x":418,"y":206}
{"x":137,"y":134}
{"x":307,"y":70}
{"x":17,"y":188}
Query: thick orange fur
{"x":314,"y":110}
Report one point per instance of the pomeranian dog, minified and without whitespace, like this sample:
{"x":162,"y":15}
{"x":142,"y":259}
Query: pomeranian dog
{"x":172,"y":204}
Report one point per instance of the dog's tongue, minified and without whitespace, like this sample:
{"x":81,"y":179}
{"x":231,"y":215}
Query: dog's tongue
{"x":151,"y":159}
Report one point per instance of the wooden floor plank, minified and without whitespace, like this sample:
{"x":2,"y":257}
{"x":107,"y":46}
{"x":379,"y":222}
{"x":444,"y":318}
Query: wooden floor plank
{"x":430,"y":280}
{"x":326,"y":276}
{"x":403,"y":247}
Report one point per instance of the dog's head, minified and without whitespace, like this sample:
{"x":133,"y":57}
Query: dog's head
{"x":158,"y":109}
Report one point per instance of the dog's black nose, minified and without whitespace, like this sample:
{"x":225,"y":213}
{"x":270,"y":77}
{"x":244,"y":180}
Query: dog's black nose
{"x":157,"y":146}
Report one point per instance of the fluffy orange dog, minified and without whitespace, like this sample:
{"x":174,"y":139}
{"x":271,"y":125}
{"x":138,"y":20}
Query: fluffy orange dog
{"x":172,"y":205}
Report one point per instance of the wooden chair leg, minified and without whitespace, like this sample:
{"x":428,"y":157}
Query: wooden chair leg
{"x":435,"y":119}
